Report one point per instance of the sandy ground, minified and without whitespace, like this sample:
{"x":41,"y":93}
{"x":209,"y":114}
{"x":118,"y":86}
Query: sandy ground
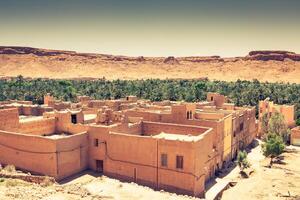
{"x":282,"y":181}
{"x":86,"y":186}
{"x":66,"y":66}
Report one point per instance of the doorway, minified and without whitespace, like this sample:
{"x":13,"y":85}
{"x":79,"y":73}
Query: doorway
{"x":99,"y":166}
{"x":135,"y":175}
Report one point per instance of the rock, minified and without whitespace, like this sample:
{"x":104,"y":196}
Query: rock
{"x":253,"y":53}
{"x":273,"y":55}
{"x":171,"y":60}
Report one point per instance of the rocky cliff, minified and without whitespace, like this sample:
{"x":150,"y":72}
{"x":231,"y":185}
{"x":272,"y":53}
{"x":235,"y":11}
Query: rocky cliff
{"x":34,"y":62}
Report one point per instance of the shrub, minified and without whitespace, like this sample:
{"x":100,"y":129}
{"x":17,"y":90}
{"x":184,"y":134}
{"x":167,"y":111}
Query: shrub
{"x":242,"y":160}
{"x":273,"y":146}
{"x":10,"y":168}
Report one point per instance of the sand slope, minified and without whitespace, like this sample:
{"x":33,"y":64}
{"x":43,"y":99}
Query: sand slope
{"x":75,"y":65}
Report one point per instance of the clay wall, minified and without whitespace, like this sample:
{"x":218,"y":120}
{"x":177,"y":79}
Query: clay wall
{"x":209,"y":115}
{"x":218,"y":99}
{"x":289,"y":114}
{"x":9,"y":119}
{"x":125,"y":158}
{"x":58,"y":158}
{"x":38,"y":126}
{"x":154,"y":128}
{"x":130,"y":128}
{"x":72,"y":156}
{"x":31,"y":153}
{"x":295,"y":136}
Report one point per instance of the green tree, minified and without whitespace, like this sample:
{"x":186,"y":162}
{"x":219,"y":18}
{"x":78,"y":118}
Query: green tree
{"x":242,"y":161}
{"x":264,"y":123}
{"x":298,"y":122}
{"x":278,"y":126}
{"x":199,"y":89}
{"x":273,"y":146}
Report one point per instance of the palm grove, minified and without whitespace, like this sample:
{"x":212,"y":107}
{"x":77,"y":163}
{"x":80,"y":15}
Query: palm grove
{"x":239,"y":92}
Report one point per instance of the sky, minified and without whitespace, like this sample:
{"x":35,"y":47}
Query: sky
{"x":153,"y":27}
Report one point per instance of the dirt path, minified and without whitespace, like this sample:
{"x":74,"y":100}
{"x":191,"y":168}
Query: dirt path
{"x":282,"y":181}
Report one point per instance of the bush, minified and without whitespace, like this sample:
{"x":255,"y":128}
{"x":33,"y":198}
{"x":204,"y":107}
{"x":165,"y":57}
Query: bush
{"x":242,"y":160}
{"x":298,"y":122}
{"x":10,"y":168}
{"x":273,"y":146}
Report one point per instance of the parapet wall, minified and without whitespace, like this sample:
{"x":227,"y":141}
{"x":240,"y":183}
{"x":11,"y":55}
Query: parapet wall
{"x":32,"y":153}
{"x":153,"y":128}
{"x":43,"y":126}
{"x":58,"y":158}
{"x":9,"y":119}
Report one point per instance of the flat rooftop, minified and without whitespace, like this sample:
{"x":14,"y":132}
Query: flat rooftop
{"x":180,"y":137}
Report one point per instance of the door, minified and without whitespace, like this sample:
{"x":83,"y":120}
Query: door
{"x":135,"y":175}
{"x":99,"y":166}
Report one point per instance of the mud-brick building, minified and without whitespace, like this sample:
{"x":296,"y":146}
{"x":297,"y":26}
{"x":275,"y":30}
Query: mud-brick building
{"x":295,"y":136}
{"x":267,"y":108}
{"x":173,"y":146}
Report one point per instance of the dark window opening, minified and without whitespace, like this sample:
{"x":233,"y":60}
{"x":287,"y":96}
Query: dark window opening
{"x":164,"y":160}
{"x":187,"y":115}
{"x":99,"y":166}
{"x":96,"y":143}
{"x":74,"y":119}
{"x":211,"y":98}
{"x":179,"y":162}
{"x":241,"y":126}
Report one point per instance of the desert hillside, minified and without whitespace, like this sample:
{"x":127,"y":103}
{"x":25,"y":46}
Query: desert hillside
{"x":272,"y":66}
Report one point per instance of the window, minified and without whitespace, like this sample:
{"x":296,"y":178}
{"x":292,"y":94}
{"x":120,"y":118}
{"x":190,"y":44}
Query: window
{"x":96,"y":143}
{"x":187,"y":115}
{"x":74,"y":119}
{"x":164,"y":160}
{"x":211,"y":98}
{"x":179,"y":162}
{"x":241,"y":126}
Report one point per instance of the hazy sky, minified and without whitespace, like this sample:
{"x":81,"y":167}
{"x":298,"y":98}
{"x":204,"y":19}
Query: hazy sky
{"x":152,"y":27}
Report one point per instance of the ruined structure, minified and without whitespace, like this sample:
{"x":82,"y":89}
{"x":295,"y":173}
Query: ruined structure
{"x":268,"y":107}
{"x":174,"y":146}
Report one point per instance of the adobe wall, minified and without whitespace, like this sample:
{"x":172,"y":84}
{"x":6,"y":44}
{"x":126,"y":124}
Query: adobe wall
{"x":32,"y":153}
{"x":289,"y":114}
{"x":72,"y":156}
{"x":218,"y":99}
{"x":207,"y":115}
{"x":101,"y":133}
{"x":9,"y":119}
{"x":130,"y":128}
{"x":204,"y":160}
{"x":126,"y":153}
{"x":295,"y":136}
{"x":64,"y":124}
{"x":227,"y":138}
{"x":153,"y":128}
{"x":58,"y":158}
{"x":38,"y":127}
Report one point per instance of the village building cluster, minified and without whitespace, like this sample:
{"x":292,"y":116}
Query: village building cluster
{"x":172,"y":146}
